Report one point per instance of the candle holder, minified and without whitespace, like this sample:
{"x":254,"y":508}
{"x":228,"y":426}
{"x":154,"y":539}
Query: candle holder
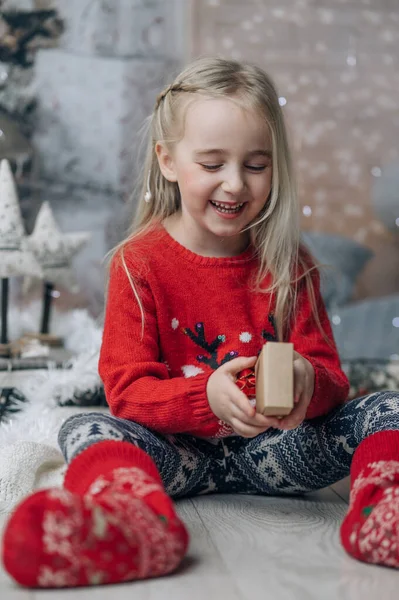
{"x":54,"y":251}
{"x":15,"y":258}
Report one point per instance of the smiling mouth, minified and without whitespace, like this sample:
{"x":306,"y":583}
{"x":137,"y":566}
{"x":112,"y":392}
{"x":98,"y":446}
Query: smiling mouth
{"x":227,"y":208}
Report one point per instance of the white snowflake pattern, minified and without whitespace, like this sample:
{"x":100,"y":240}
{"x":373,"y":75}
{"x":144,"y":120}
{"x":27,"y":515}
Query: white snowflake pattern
{"x":376,"y":538}
{"x":124,"y":480}
{"x":58,"y":530}
{"x":98,"y":486}
{"x":377,"y":473}
{"x":175,"y":323}
{"x":245,"y":337}
{"x":99,"y":525}
{"x":56,"y":578}
{"x":138,"y":480}
{"x":191,"y":371}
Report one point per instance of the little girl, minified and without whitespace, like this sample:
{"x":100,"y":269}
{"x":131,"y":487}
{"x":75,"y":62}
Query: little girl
{"x":212,"y":270}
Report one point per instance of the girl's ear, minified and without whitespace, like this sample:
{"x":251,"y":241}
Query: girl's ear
{"x":165,"y":161}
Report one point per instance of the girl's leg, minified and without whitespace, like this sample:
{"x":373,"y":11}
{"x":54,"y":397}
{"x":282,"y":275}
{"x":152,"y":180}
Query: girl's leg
{"x":113,"y":521}
{"x":316,"y":454}
{"x":188,"y":466}
{"x":362,"y":436}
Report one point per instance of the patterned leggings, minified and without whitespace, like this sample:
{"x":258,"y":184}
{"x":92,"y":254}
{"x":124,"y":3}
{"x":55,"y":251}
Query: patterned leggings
{"x":315,"y":455}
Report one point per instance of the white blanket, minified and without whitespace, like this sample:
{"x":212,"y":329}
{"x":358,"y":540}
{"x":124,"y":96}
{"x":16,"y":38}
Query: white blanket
{"x":29,"y":455}
{"x":26,"y":466}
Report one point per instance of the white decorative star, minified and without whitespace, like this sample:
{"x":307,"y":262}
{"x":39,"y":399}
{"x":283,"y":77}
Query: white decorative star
{"x":54,"y":250}
{"x":15,"y":259}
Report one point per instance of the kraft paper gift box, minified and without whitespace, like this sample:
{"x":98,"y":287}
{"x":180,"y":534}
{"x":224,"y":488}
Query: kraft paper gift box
{"x":274,"y":373}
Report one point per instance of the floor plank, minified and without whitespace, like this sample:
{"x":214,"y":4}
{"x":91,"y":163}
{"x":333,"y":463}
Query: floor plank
{"x":342,"y":489}
{"x":290,"y":547}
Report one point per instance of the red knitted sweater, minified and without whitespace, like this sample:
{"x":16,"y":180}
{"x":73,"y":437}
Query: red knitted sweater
{"x":198,"y":313}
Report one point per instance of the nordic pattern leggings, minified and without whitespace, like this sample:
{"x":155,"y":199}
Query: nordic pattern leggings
{"x":316,"y":454}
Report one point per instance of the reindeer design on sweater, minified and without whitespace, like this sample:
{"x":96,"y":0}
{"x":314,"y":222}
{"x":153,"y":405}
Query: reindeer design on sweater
{"x":211,"y":358}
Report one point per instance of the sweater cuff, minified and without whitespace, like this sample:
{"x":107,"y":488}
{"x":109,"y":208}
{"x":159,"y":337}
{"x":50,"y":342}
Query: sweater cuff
{"x":327,"y":393}
{"x":314,"y":408}
{"x":207,"y":422}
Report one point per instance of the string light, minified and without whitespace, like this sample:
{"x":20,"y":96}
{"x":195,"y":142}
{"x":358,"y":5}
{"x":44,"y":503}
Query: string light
{"x":376,"y":172}
{"x":307,"y":211}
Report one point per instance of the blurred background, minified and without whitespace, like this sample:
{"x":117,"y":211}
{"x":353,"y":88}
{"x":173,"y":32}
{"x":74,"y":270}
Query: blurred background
{"x":78,"y":78}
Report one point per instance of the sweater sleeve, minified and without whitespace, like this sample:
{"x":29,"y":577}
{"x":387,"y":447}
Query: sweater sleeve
{"x":136,"y":382}
{"x":331,"y":384}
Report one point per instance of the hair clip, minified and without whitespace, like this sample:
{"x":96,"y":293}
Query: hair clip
{"x":148,"y":195}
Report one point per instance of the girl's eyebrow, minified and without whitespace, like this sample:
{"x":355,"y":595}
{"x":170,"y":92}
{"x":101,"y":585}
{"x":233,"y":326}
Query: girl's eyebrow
{"x":201,"y":153}
{"x":267,"y":153}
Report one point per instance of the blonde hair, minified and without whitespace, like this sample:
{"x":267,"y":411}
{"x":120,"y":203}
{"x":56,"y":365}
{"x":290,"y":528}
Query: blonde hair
{"x":275,"y":234}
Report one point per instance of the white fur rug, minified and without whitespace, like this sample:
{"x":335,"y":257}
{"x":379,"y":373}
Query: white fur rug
{"x":30,"y":458}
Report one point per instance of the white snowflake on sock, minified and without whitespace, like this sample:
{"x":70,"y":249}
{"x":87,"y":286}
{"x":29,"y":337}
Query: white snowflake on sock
{"x":245,"y":337}
{"x":175,"y":323}
{"x":191,"y":371}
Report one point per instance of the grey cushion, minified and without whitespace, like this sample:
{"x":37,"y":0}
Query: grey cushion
{"x":347,"y":259}
{"x":367,"y":329}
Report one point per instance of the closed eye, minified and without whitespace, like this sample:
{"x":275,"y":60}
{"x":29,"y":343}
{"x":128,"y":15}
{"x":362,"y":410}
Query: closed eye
{"x":210,"y":167}
{"x":256,"y":168}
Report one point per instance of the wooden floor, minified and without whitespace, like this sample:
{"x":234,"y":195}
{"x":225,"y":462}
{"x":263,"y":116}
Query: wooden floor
{"x":249,"y":547}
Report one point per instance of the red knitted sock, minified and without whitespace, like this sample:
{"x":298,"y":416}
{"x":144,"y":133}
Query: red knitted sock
{"x":370,"y":530}
{"x":113,"y":524}
{"x":97,"y":463}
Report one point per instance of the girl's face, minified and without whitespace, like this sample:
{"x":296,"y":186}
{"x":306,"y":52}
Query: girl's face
{"x":223,"y":166}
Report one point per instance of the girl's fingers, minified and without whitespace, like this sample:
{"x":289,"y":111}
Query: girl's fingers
{"x":299,"y":382}
{"x":247,"y":413}
{"x":296,"y":416}
{"x":298,"y":391}
{"x":273,"y":422}
{"x":233,"y":367}
{"x":257,"y":420}
{"x":245,"y":430}
{"x":240,"y":400}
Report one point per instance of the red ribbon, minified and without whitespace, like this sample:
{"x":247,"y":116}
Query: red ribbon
{"x":246,"y":382}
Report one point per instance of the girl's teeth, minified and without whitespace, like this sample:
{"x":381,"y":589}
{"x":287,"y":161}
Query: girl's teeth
{"x":224,"y":208}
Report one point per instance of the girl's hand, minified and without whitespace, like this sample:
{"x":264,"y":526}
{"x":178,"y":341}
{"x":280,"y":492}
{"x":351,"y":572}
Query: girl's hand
{"x":230,"y":404}
{"x":303,"y":392}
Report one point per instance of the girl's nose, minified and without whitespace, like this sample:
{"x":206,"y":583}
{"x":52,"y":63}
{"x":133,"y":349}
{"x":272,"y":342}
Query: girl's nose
{"x":233,"y":183}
